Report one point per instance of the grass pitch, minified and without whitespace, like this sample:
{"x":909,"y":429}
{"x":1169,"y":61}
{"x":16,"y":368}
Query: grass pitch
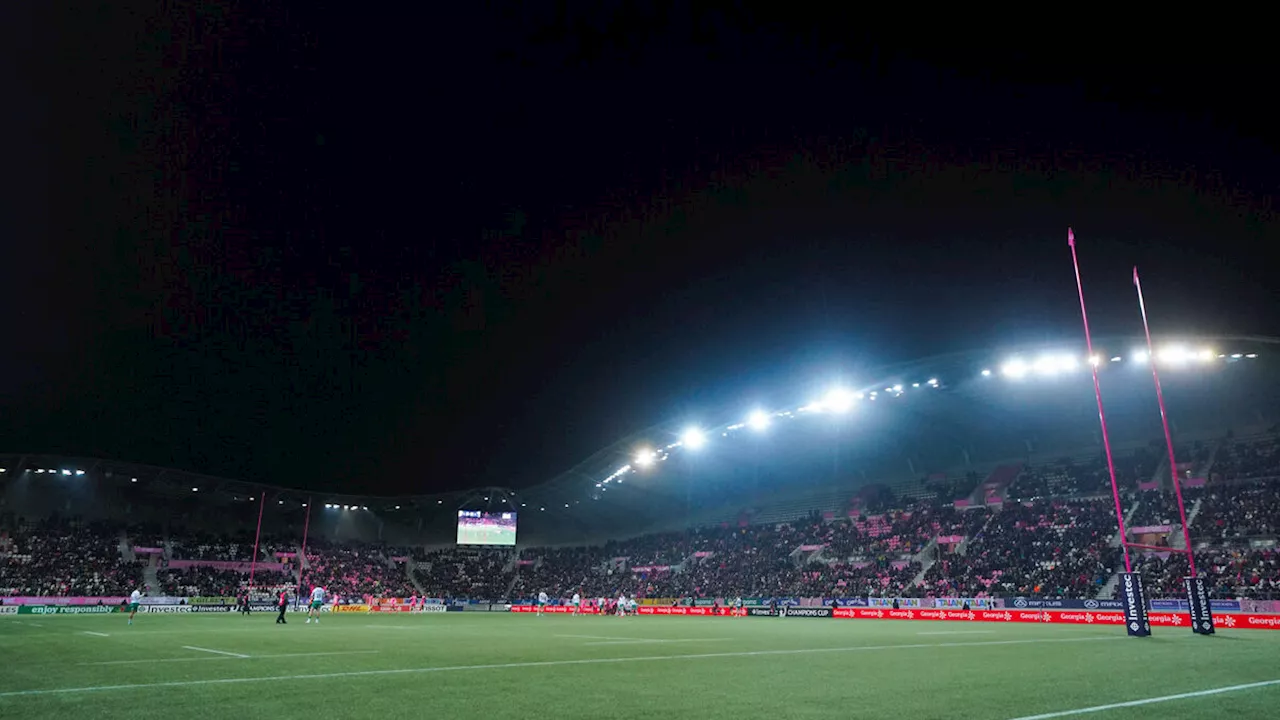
{"x":496,"y":666}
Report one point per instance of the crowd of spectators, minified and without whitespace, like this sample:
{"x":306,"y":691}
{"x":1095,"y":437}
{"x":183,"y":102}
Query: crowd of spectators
{"x":353,"y":572}
{"x":1043,"y":547}
{"x":210,"y":582}
{"x":1053,"y":537}
{"x":1234,"y":512}
{"x":57,"y":557}
{"x":476,"y":574}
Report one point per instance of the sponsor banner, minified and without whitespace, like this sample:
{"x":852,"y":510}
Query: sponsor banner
{"x":209,"y":608}
{"x":1148,"y":529}
{"x":351,"y":608}
{"x":1182,"y":605}
{"x":888,"y":602}
{"x":1066,"y":604}
{"x":67,"y":609}
{"x":553,"y":609}
{"x":8,"y":609}
{"x":160,"y":600}
{"x":1136,"y":622}
{"x":813,"y":612}
{"x":846,"y":602}
{"x":165,"y":609}
{"x":958,"y":603}
{"x":211,"y":601}
{"x":1059,"y":617}
{"x":286,"y":554}
{"x":1201,"y":611}
{"x":682,"y":610}
{"x":63,"y":600}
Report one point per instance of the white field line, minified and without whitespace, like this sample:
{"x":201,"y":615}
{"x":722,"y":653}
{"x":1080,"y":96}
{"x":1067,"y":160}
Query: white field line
{"x":599,"y":637}
{"x":244,"y":657}
{"x":98,"y":634}
{"x":1150,"y":701}
{"x":216,"y":652}
{"x":543,"y":664}
{"x":655,"y":640}
{"x":958,"y":632}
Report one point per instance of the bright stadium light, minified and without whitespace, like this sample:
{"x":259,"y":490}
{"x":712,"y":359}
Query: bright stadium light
{"x":1116,"y":359}
{"x":838,"y":400}
{"x":1015,"y":369}
{"x":644,"y":458}
{"x":1207,"y":355}
{"x":1139,"y":356}
{"x":1094,"y":360}
{"x":758,"y":420}
{"x":66,"y":472}
{"x":79,"y":472}
{"x":986,"y":373}
{"x":897,"y":388}
{"x":1251,"y":356}
{"x":694,"y":438}
{"x":933,"y":382}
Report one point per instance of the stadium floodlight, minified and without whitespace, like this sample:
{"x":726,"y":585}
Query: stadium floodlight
{"x":933,"y":382}
{"x":79,"y":472}
{"x":986,"y":373}
{"x":644,"y":458}
{"x":1173,"y":354}
{"x":1094,"y":360}
{"x":66,"y":472}
{"x":1139,"y":356}
{"x":195,"y":489}
{"x":1251,"y":356}
{"x":1015,"y":369}
{"x":1115,"y":359}
{"x":897,"y":388}
{"x":397,"y":507}
{"x":364,"y":507}
{"x":694,"y":438}
{"x":758,"y":420}
{"x":1207,"y":355}
{"x":838,"y":400}
{"x":915,"y":385}
{"x":133,"y":480}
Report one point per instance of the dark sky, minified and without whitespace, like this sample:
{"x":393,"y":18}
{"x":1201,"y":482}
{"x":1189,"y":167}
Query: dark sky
{"x":328,"y":245}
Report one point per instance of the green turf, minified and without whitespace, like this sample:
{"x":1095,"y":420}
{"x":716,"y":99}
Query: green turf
{"x":495,"y":666}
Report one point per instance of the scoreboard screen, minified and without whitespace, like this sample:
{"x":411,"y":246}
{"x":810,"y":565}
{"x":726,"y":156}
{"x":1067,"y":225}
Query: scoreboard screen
{"x":482,"y":528}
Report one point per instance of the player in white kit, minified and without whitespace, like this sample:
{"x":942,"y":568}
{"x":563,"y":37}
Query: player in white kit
{"x":577,"y":604}
{"x":542,"y":601}
{"x":317,"y":602}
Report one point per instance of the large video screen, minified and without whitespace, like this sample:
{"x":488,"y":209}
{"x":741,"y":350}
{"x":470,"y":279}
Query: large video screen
{"x":482,"y":528}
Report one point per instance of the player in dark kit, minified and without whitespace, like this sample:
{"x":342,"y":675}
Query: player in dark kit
{"x":244,"y":604}
{"x":282,"y":603}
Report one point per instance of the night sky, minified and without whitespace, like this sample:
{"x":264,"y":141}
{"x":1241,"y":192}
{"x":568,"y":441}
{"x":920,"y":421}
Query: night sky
{"x":334,"y":246}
